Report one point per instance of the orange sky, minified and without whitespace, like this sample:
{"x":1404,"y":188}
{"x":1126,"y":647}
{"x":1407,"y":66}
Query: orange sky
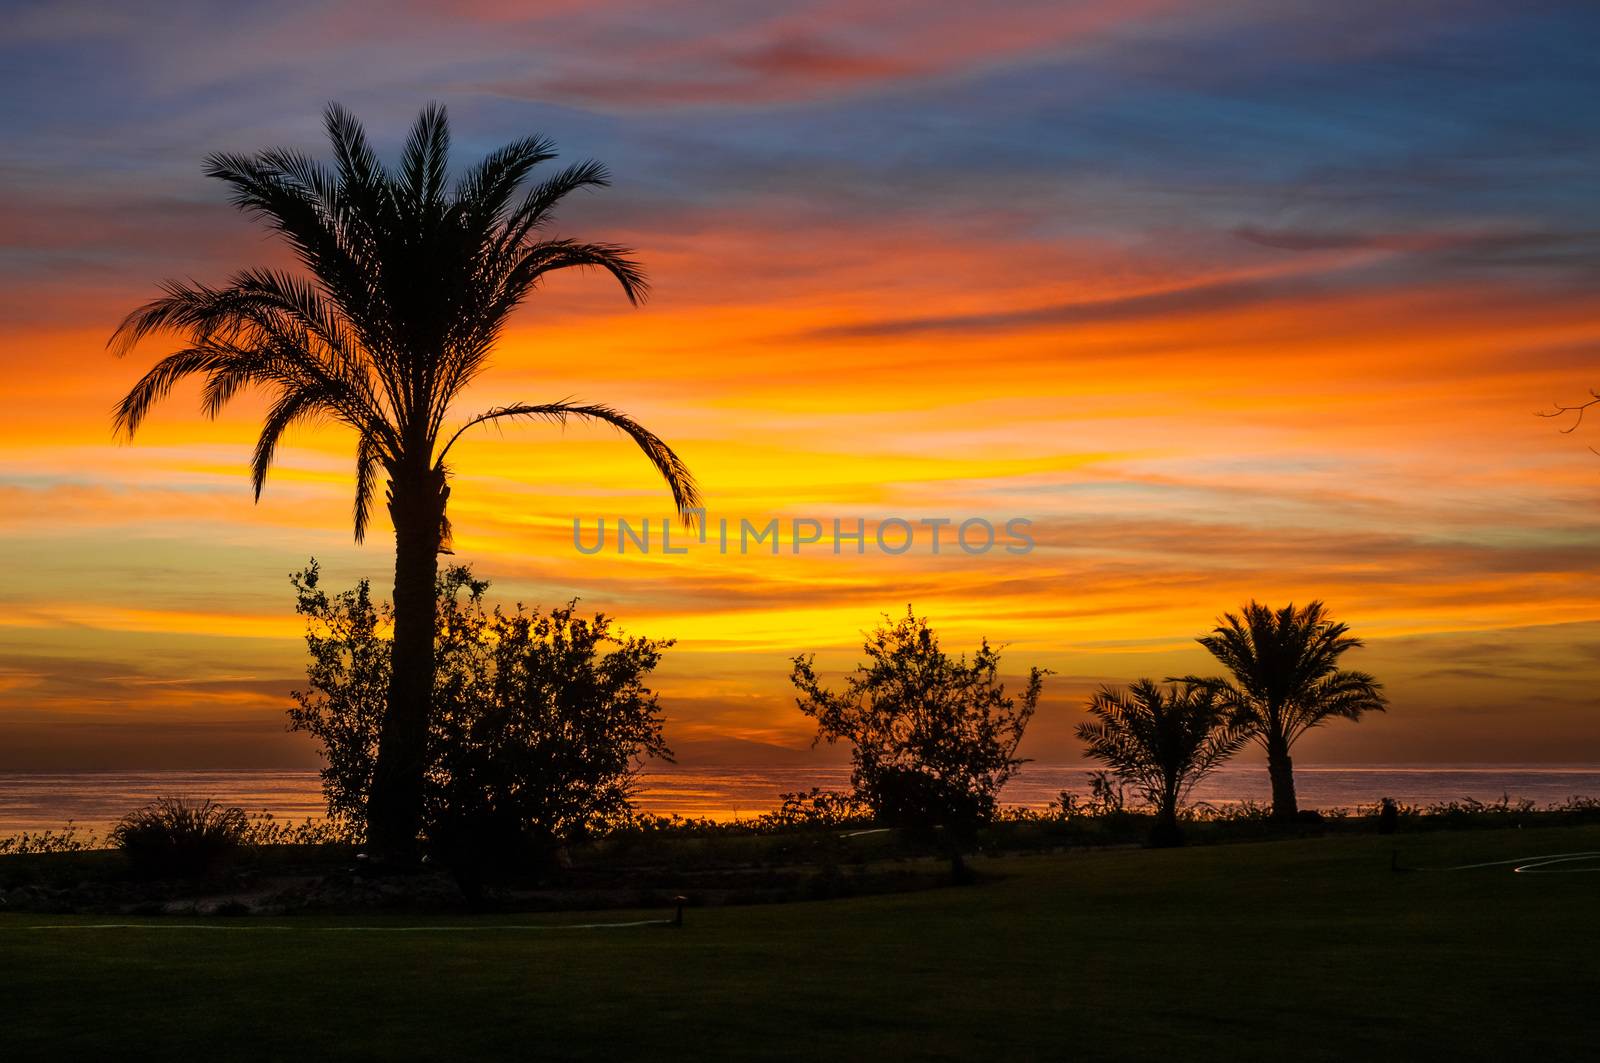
{"x":1257,"y":333}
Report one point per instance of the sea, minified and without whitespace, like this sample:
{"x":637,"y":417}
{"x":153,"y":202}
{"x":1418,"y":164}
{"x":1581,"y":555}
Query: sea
{"x":93,"y":801}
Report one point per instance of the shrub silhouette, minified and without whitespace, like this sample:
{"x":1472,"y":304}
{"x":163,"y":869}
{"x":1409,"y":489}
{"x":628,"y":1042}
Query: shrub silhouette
{"x":817,"y":808}
{"x":933,"y":737}
{"x":171,"y":838}
{"x":542,"y":718}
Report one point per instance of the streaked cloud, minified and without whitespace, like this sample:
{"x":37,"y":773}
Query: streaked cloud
{"x":1231,"y":300}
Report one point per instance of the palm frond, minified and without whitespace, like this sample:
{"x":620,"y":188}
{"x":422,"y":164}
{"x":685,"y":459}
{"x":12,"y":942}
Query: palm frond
{"x":1284,"y":671}
{"x":289,"y":409}
{"x":685,"y":493}
{"x":407,"y":288}
{"x":237,"y":341}
{"x":483,"y":195}
{"x":367,"y":465}
{"x":549,"y":256}
{"x":158,"y":383}
{"x":539,"y":205}
{"x":1162,"y":741}
{"x":426,"y":159}
{"x":358,"y":163}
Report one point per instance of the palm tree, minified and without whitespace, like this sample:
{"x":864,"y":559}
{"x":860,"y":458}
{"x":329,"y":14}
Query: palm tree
{"x":409,"y":282}
{"x":1162,"y":741}
{"x":1286,"y":680}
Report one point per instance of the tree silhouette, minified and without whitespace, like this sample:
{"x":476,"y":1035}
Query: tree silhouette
{"x":1162,"y":742}
{"x":1286,"y":680}
{"x":541,"y":719}
{"x":933,"y":737}
{"x":411,"y":282}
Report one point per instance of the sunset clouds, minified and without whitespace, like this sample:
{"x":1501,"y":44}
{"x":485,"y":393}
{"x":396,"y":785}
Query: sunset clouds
{"x":1231,"y":300}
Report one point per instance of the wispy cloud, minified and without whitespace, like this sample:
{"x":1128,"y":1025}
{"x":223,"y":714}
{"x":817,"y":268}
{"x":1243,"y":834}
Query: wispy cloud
{"x":1231,"y":299}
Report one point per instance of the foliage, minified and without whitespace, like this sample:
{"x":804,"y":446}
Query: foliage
{"x":541,"y":719}
{"x":816,"y":808}
{"x":1286,"y":680}
{"x":1242,"y":812}
{"x":348,"y":683}
{"x":933,"y":737}
{"x":172,"y":838}
{"x":1105,"y":793}
{"x":32,"y":843}
{"x":407,"y":281}
{"x":264,"y":830}
{"x":1160,"y":741}
{"x":1284,"y":664}
{"x":408,"y":284}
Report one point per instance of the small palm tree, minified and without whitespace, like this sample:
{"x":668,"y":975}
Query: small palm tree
{"x":1162,"y":741}
{"x":1286,"y":680}
{"x":409,"y":283}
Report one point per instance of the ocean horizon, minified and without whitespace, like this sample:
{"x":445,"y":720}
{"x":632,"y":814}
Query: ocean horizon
{"x":94,"y":800}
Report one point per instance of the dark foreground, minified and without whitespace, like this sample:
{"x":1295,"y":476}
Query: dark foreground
{"x":1306,"y":950}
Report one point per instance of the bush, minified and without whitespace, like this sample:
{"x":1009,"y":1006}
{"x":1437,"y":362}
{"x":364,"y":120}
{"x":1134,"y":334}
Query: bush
{"x":933,"y":737}
{"x":265,"y":830}
{"x":540,"y":719}
{"x":66,"y":840}
{"x":173,"y":839}
{"x":544,"y":718}
{"x":816,"y":808}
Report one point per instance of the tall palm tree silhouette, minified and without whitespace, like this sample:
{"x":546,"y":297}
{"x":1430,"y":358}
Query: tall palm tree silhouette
{"x":411,"y":282}
{"x":1287,"y":680}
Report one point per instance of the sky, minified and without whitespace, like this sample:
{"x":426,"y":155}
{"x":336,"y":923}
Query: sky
{"x":1230,"y":300}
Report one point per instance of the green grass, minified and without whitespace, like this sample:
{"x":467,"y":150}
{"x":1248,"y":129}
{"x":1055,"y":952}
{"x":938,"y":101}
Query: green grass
{"x":1304,"y":950}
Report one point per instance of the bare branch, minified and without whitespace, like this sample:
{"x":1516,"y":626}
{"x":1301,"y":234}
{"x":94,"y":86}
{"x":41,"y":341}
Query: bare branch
{"x":1580,"y":409}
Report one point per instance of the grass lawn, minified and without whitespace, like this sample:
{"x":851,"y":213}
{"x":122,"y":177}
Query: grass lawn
{"x":1303,"y":950}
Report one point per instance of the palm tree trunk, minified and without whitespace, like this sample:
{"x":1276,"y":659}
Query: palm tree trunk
{"x":1280,"y":767}
{"x":394,"y":808}
{"x":1166,"y":832}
